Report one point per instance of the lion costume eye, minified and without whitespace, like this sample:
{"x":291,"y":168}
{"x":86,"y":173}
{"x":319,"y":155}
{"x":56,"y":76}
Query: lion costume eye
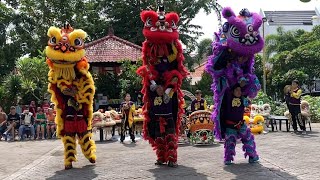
{"x":148,"y":22}
{"x":53,"y":40}
{"x":234,"y":31}
{"x":78,"y":42}
{"x":250,"y":28}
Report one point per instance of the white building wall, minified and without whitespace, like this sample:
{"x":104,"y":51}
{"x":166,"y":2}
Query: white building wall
{"x":272,"y":29}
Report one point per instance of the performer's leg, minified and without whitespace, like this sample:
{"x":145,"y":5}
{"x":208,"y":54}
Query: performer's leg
{"x":69,"y":150}
{"x":230,"y":145}
{"x":123,"y":130}
{"x":249,"y":146}
{"x":171,"y":140}
{"x":172,"y":145}
{"x":161,"y":149}
{"x":88,"y":146}
{"x":131,"y":132}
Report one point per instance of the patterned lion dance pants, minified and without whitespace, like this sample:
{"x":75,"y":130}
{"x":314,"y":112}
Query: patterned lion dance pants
{"x":249,"y":146}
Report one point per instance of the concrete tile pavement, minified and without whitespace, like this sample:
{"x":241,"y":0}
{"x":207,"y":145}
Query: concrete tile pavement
{"x":283,"y":156}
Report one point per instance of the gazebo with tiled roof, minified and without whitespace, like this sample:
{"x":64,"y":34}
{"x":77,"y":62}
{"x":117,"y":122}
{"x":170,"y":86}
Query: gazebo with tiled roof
{"x":105,"y":54}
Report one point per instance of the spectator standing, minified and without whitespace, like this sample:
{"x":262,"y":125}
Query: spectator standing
{"x":199,"y":103}
{"x":294,"y":107}
{"x":33,"y":108}
{"x":45,"y":106}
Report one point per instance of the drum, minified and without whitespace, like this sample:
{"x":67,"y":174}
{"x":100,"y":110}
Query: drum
{"x":201,"y":127}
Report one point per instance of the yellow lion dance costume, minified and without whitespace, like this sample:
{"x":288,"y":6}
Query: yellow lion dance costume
{"x":72,"y":89}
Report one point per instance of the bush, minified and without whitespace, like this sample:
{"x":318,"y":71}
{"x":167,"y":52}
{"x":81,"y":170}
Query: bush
{"x":276,"y":109}
{"x":209,"y":99}
{"x":314,"y":103}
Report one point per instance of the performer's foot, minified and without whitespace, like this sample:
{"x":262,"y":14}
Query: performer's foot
{"x":66,"y":167}
{"x":228,"y":162}
{"x":295,"y":132}
{"x":121,"y":141}
{"x":92,"y":160}
{"x":133,"y":141}
{"x":172,"y":164}
{"x":159,"y":163}
{"x":253,"y":160}
{"x":304,"y":133}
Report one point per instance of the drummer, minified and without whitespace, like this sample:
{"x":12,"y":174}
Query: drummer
{"x":199,"y":103}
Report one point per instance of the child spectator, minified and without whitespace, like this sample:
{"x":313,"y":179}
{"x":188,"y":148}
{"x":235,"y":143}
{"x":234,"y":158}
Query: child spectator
{"x":51,"y":126}
{"x":41,"y":123}
{"x":45,"y":106}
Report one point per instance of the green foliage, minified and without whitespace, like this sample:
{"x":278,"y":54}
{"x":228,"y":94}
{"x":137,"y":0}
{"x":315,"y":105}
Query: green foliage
{"x":279,"y":108}
{"x":258,"y":67}
{"x":314,"y":103}
{"x":296,"y":55}
{"x":11,"y":91}
{"x":209,"y":99}
{"x":107,"y":84}
{"x":125,"y":19}
{"x":31,"y":19}
{"x":204,"y":49}
{"x":8,"y":50}
{"x":130,"y":82}
{"x":204,"y":84}
{"x":186,"y":85}
{"x":262,"y":97}
{"x":33,"y":73}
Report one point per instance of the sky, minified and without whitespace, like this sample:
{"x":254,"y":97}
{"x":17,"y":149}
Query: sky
{"x":209,"y":22}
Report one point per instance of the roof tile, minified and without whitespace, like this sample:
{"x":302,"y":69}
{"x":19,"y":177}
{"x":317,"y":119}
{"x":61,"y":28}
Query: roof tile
{"x":112,"y":49}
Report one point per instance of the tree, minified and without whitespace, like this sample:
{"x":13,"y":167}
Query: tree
{"x":205,"y":84}
{"x":204,"y":49}
{"x":296,"y":55}
{"x":33,"y":73}
{"x":12,"y":90}
{"x":107,"y":84}
{"x":7,"y":48}
{"x":130,"y":82}
{"x":29,"y":24}
{"x":125,"y":19}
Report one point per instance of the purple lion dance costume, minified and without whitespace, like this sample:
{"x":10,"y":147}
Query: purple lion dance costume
{"x":231,"y":67}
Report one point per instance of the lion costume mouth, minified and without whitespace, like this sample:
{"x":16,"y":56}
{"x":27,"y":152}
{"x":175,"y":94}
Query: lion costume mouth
{"x":249,"y":41}
{"x":63,"y":62}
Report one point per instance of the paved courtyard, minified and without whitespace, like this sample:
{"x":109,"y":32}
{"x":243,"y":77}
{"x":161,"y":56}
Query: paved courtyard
{"x":283,"y":156}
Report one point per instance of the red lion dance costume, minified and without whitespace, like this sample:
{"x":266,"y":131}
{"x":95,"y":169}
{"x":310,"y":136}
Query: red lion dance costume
{"x":72,"y":90}
{"x":162,"y":73}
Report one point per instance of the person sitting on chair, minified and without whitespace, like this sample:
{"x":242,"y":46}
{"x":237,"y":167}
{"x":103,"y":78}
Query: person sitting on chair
{"x":27,"y":121}
{"x":13,"y":120}
{"x":3,"y":122}
{"x":199,"y":103}
{"x":51,"y":125}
